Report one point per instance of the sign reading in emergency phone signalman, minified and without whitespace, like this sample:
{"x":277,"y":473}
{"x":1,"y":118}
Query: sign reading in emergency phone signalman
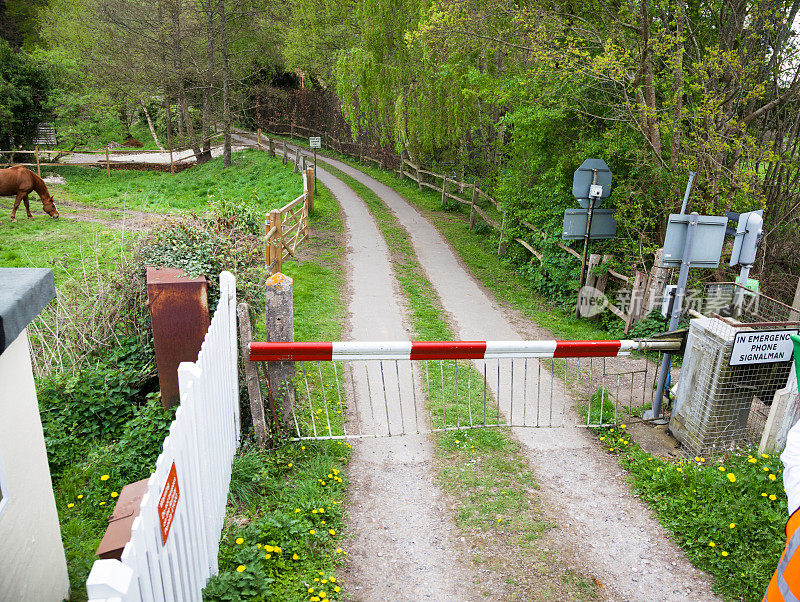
{"x":762,"y":347}
{"x":168,"y":502}
{"x":315,"y":142}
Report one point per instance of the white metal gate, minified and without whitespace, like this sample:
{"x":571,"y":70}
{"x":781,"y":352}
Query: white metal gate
{"x":337,"y":390}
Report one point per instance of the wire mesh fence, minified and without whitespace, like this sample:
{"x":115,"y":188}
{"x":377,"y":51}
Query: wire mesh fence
{"x":727,"y":398}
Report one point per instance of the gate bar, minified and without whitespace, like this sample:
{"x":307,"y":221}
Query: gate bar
{"x":449,"y":350}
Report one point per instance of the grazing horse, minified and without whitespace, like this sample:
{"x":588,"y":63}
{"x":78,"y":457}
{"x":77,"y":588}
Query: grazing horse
{"x":20,"y":182}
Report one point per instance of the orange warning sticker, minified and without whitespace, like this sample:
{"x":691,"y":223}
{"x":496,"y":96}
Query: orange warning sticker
{"x":168,"y":502}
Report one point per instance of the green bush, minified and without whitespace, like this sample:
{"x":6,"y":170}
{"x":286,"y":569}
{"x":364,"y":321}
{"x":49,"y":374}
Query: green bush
{"x":95,"y":403}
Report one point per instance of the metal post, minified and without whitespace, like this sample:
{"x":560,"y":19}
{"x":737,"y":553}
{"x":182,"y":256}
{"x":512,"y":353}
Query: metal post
{"x":585,"y":249}
{"x":738,"y":295}
{"x":688,"y":192}
{"x":315,"y":171}
{"x":677,"y":306}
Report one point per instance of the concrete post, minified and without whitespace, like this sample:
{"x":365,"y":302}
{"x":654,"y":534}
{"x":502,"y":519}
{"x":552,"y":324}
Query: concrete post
{"x":783,"y":414}
{"x":280,"y":328}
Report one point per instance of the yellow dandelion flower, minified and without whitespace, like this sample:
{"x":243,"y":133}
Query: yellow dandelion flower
{"x":724,"y":553}
{"x":772,"y":477}
{"x":711,"y":544}
{"x":323,"y":595}
{"x":333,"y":579}
{"x":296,"y":510}
{"x":102,"y":503}
{"x":763,"y":495}
{"x":268,"y":548}
{"x":240,"y":568}
{"x":622,"y":426}
{"x":290,"y":465}
{"x":315,"y":599}
{"x":330,"y":475}
{"x":310,"y":590}
{"x":752,"y":460}
{"x":338,"y":550}
{"x":80,"y":497}
{"x":105,"y":477}
{"x":332,"y":531}
{"x":679,"y":469}
{"x":302,"y":447}
{"x":765,"y":469}
{"x":258,"y":546}
{"x":732,"y":525}
{"x":773,"y":498}
{"x":602,"y":438}
{"x":611,"y":449}
{"x":658,"y":469}
{"x":696,"y":458}
{"x":731,"y":477}
{"x":499,"y":520}
{"x":70,"y":505}
{"x":295,"y":556}
{"x":337,"y":589}
{"x":277,"y":550}
{"x":721,"y":469}
{"x":324,"y":581}
{"x":322,"y":511}
{"x":114,"y":494}
{"x":313,"y":532}
{"x":765,"y":455}
{"x":314,"y":511}
{"x":239,"y":540}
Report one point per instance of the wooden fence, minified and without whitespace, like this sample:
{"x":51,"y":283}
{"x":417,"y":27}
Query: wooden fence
{"x":175,"y":537}
{"x":287,"y":227}
{"x":636,"y":296}
{"x":47,"y":154}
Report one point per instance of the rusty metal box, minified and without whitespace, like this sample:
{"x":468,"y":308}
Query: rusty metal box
{"x":179,"y":315}
{"x":118,"y":532}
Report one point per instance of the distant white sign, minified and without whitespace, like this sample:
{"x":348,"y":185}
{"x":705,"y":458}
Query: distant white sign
{"x":315,"y":142}
{"x":762,"y":347}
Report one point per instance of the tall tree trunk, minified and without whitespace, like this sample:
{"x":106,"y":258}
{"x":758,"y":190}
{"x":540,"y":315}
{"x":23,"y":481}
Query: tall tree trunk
{"x":183,"y":105}
{"x":677,"y":109}
{"x":209,"y":80}
{"x":150,"y":124}
{"x":226,"y":76}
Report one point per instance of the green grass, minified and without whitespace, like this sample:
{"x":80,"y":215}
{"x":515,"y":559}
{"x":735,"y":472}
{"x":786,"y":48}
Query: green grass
{"x":276,"y":496}
{"x":483,"y":469}
{"x":68,"y":247}
{"x":253,"y":177}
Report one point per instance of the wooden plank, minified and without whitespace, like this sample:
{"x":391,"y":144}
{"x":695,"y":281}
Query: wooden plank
{"x":535,"y":253}
{"x":616,"y":311}
{"x":594,"y":261}
{"x":487,"y":219}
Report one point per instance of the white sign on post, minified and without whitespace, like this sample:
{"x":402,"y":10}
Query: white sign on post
{"x":315,"y":142}
{"x":762,"y":347}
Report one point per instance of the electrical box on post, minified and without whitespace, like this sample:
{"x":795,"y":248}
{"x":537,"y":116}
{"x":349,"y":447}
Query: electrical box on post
{"x":748,"y":236}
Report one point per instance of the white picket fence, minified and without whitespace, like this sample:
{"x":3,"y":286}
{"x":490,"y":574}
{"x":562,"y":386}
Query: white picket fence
{"x":200,"y":446}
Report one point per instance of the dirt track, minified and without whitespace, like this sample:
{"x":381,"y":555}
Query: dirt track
{"x":606,"y":530}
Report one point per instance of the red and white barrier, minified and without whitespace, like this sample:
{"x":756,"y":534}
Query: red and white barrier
{"x":442,"y":350}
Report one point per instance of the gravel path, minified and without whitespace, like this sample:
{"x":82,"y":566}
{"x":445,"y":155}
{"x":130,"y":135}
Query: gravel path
{"x":401,"y":543}
{"x":609,"y":531}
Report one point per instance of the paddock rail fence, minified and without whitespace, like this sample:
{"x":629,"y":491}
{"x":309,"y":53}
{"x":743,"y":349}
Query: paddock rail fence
{"x":174,"y":540}
{"x":287,"y":227}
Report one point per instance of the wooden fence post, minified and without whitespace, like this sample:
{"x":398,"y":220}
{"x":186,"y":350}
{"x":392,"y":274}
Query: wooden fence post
{"x":444,"y":189}
{"x":472,"y":212}
{"x":419,"y":177}
{"x":251,"y":377}
{"x":38,"y":167}
{"x":271,"y":143}
{"x":285,"y":153}
{"x":602,"y":280}
{"x":108,"y":165}
{"x":637,"y":296}
{"x":308,"y":187}
{"x":400,"y":173}
{"x":502,"y":246}
{"x":291,"y":130}
{"x":280,"y":328}
{"x":258,"y":138}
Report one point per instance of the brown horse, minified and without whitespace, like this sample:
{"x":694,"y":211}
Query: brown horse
{"x":20,"y":182}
